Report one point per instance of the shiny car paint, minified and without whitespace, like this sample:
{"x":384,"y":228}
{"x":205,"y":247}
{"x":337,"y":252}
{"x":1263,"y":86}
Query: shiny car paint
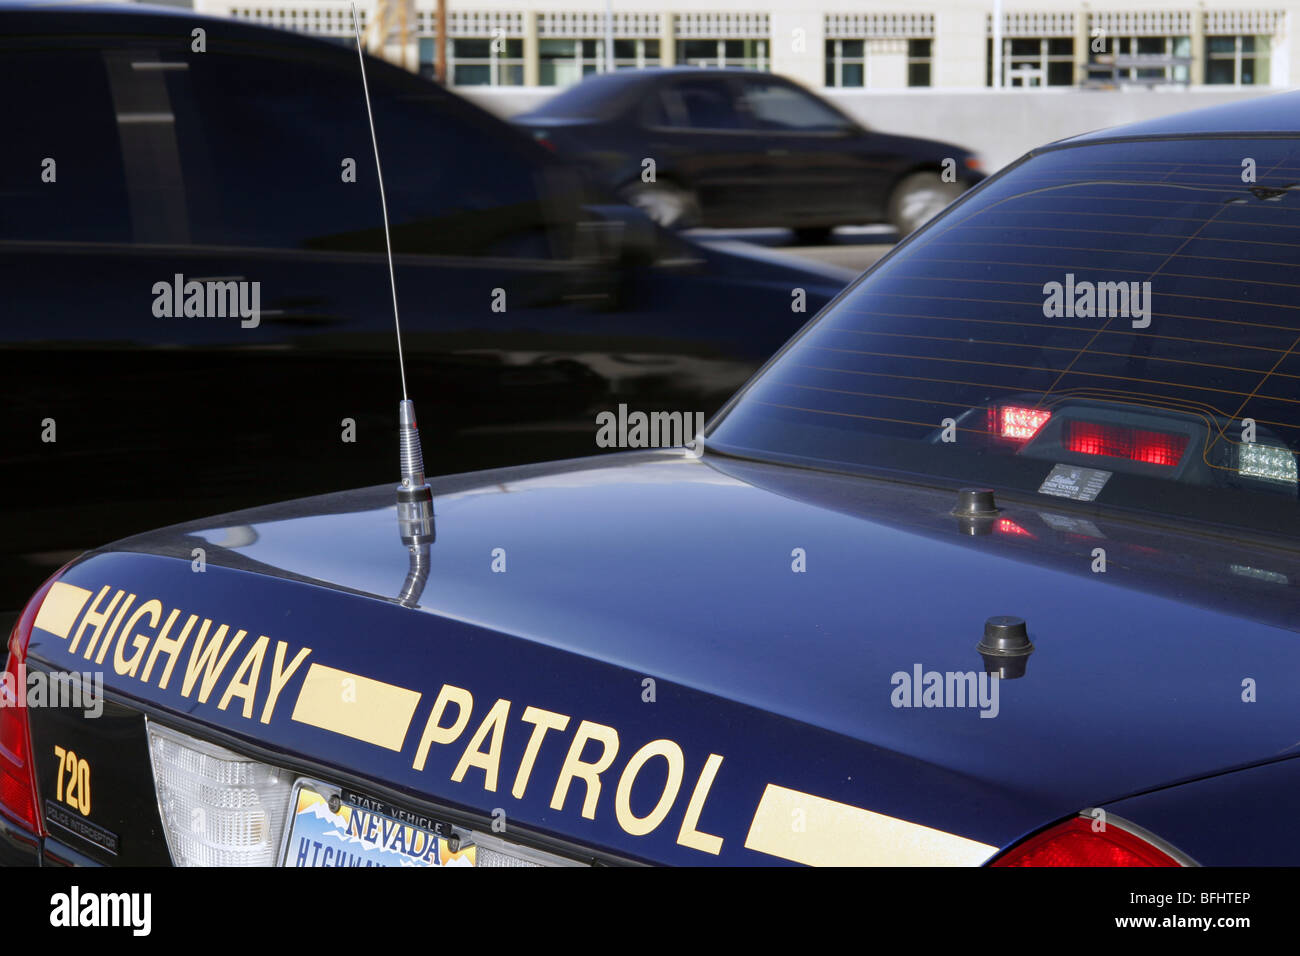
{"x":1130,"y":690}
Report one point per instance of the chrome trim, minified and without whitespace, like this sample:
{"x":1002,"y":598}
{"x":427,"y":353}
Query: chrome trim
{"x":1128,"y":826}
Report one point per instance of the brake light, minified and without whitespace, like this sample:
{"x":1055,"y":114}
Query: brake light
{"x":1076,"y":843}
{"x":1120,"y":441}
{"x":1007,"y":526}
{"x":1020,"y":423}
{"x":18,"y":794}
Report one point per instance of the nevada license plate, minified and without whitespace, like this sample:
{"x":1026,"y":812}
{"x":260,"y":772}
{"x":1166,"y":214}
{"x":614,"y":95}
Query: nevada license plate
{"x":362,"y":832}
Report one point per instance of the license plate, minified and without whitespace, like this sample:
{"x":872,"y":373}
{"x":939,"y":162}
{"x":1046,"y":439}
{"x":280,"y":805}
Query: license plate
{"x":350,"y":835}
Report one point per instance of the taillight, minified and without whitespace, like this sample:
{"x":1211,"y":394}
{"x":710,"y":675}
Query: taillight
{"x":1120,"y":441}
{"x":1019,"y":423}
{"x":1083,"y":841}
{"x":18,"y":799}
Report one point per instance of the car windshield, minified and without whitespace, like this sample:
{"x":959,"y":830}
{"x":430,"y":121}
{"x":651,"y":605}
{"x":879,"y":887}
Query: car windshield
{"x":1114,"y":323}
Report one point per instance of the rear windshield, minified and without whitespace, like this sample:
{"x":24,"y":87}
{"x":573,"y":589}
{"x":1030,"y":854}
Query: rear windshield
{"x":1115,"y":323}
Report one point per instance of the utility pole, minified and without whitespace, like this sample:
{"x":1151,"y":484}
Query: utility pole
{"x":440,"y":44}
{"x":404,"y":34}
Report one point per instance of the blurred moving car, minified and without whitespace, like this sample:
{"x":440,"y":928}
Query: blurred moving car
{"x":152,"y":194}
{"x":975,"y":570}
{"x":735,"y":148}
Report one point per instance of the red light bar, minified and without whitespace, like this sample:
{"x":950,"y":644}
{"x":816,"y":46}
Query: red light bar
{"x":1120,"y":441}
{"x":1019,"y":423}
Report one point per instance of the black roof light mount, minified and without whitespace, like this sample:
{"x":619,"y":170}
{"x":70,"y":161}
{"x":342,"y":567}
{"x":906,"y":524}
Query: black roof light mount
{"x":975,"y":511}
{"x":1005,"y":646}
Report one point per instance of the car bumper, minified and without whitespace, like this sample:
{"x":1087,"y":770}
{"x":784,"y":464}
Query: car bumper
{"x":17,"y":846}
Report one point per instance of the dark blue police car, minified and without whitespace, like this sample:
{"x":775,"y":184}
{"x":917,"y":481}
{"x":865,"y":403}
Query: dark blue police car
{"x":998,"y":561}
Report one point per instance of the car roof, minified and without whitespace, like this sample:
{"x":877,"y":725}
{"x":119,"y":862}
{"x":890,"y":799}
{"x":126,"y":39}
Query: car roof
{"x":1274,"y":115}
{"x":604,"y":95}
{"x":142,"y":10}
{"x":93,"y":18}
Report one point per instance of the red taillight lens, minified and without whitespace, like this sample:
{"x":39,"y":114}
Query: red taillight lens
{"x":18,"y":795}
{"x":1019,"y":423}
{"x":1119,"y":441}
{"x":1076,"y":843}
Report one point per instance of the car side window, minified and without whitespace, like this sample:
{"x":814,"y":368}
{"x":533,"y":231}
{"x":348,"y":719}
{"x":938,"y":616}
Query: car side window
{"x":777,"y":106}
{"x":702,"y":104}
{"x":62,"y":175}
{"x":276,"y":152}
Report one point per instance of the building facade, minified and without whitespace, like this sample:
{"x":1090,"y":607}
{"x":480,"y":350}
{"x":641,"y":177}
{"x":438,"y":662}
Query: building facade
{"x":839,"y":44}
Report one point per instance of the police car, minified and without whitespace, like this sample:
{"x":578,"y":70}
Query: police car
{"x":996,"y":562}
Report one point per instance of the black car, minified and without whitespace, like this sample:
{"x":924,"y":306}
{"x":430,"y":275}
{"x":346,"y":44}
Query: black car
{"x":736,"y":148}
{"x":196,"y":310}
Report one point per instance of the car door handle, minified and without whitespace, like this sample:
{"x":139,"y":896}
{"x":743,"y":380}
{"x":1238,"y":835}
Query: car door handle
{"x":778,"y":152}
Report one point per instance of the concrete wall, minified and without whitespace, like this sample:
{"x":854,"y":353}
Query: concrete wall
{"x":1000,"y":125}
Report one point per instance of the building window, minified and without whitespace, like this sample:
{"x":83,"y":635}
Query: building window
{"x":478,"y":61}
{"x":920,"y":56}
{"x":1033,"y":61}
{"x":1237,"y":61}
{"x":751,"y":54}
{"x":566,"y":61}
{"x":846,"y":63}
{"x":1127,"y":53}
{"x":849,"y":62}
{"x":635,"y":54}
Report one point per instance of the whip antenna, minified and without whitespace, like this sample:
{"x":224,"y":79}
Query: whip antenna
{"x":383,"y":201}
{"x":414,"y":496}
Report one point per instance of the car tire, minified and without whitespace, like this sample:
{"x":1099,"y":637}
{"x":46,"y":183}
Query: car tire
{"x":666,"y":203}
{"x":813,"y":235}
{"x":918,"y":198}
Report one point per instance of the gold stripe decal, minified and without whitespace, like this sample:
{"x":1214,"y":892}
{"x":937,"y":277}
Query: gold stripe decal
{"x":819,"y":832}
{"x":355,"y":706}
{"x":60,"y":608}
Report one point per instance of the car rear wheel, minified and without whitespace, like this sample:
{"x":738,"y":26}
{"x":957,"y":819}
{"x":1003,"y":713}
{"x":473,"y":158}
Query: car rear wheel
{"x":918,"y":199}
{"x":666,"y":203}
